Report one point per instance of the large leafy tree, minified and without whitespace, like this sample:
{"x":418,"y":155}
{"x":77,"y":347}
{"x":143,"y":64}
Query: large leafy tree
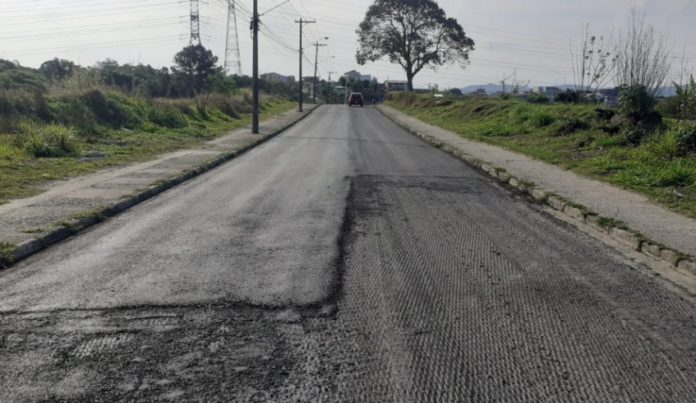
{"x":413,"y":33}
{"x":195,"y":65}
{"x":57,"y":69}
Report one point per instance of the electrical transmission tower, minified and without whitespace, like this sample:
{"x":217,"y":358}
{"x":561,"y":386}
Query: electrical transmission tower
{"x":195,"y":24}
{"x":233,"y":59}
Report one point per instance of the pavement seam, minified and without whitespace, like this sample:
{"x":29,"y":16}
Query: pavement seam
{"x":616,"y":230}
{"x":10,"y":254}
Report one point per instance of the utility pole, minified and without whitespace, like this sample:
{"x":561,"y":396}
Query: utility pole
{"x":316,"y":69}
{"x":302,"y":22}
{"x":333,"y":90}
{"x":255,"y":75}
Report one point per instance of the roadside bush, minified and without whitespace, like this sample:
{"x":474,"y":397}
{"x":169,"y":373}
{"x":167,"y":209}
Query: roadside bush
{"x":167,"y":116}
{"x":233,"y":107}
{"x":96,"y":101}
{"x":635,"y":134}
{"x":683,"y":105}
{"x":569,"y":97}
{"x":637,"y":106}
{"x":541,"y":119}
{"x":43,"y":111}
{"x":571,"y":124}
{"x":74,"y":113}
{"x":538,"y":99}
{"x":128,"y":112}
{"x":52,"y":141}
{"x":604,"y":115}
{"x":16,"y":102}
{"x":686,"y":139}
{"x":22,"y":79}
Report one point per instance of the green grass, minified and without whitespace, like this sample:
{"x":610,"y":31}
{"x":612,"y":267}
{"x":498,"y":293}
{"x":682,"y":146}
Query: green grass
{"x":570,"y":136}
{"x":34,"y":152}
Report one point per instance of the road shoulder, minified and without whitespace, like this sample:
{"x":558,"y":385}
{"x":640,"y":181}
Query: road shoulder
{"x":33,"y":224}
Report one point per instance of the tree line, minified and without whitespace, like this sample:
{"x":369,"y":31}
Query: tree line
{"x":195,"y":72}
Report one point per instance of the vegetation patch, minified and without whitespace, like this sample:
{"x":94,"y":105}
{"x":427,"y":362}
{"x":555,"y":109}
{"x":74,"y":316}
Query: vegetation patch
{"x":56,"y":135}
{"x":6,"y":254}
{"x":658,"y":159}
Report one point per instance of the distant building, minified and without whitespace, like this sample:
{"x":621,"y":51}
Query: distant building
{"x":365,"y":77}
{"x":278,"y":78}
{"x":393,"y":86}
{"x":480,"y":91}
{"x":552,"y":92}
{"x":352,"y":76}
{"x":610,"y":96}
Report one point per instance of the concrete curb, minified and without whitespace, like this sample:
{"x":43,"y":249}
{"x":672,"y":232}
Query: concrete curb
{"x":616,"y":230}
{"x":11,"y":255}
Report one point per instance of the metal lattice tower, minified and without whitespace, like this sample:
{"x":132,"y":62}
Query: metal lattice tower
{"x":195,"y":24}
{"x":233,"y":58}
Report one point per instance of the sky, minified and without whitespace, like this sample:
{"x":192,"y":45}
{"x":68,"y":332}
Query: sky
{"x":530,"y":39}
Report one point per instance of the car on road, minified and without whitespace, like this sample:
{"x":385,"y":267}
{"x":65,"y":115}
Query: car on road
{"x":356,"y":98}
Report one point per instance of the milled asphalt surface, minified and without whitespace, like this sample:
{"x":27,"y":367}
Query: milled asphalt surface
{"x":345,"y":260}
{"x":637,"y":211}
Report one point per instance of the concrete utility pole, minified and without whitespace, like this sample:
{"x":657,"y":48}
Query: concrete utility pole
{"x":316,"y":69}
{"x":255,"y":75}
{"x":302,"y":22}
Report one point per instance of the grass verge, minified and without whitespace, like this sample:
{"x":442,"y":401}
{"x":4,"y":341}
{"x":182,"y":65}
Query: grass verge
{"x":576,"y":137}
{"x":66,"y":136}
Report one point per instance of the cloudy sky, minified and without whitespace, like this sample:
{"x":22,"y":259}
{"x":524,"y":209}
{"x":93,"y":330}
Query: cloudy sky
{"x":530,"y":38}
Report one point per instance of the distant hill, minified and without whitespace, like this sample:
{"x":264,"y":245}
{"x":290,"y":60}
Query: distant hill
{"x":668,"y":91}
{"x":496,"y":88}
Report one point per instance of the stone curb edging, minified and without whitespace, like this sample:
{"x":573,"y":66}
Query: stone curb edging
{"x":13,"y":255}
{"x":616,"y":230}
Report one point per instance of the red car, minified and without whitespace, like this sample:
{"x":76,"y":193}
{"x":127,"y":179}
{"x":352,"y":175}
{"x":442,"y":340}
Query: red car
{"x":356,"y":98}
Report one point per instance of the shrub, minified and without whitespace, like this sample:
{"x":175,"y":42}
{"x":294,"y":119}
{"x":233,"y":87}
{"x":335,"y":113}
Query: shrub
{"x":685,"y":100}
{"x":230,"y":106}
{"x":637,"y":106}
{"x":74,"y":113}
{"x":22,"y":79}
{"x":569,"y":97}
{"x":52,"y":141}
{"x":635,"y":134}
{"x":686,"y":139}
{"x":538,"y":99}
{"x":636,"y":103}
{"x":43,"y":111}
{"x":571,"y":124}
{"x":16,"y":102}
{"x":541,"y":119}
{"x":167,"y":117}
{"x":604,"y":115}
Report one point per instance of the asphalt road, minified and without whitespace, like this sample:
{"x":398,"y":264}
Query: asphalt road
{"x":345,"y":260}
